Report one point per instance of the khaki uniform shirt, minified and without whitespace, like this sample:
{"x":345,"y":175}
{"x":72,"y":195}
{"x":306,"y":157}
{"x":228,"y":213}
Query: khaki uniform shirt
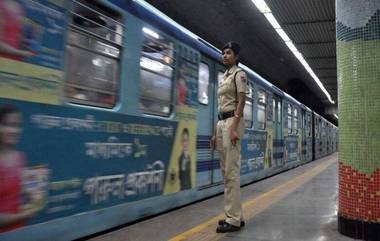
{"x":227,"y":99}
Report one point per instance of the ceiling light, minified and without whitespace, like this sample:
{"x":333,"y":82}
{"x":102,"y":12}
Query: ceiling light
{"x":305,"y":64}
{"x":264,"y":8}
{"x":298,"y":56}
{"x":272,"y":20}
{"x":283,"y":35}
{"x":291,"y":46}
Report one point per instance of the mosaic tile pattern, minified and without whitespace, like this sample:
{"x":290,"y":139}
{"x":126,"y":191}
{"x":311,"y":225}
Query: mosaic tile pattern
{"x":356,"y":13}
{"x":371,"y":31}
{"x":359,"y":103}
{"x":358,"y":59}
{"x":359,"y":194}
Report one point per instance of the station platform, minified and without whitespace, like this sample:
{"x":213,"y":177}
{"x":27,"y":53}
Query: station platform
{"x":297,"y":205}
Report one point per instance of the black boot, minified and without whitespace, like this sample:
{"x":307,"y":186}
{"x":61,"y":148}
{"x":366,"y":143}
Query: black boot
{"x":221,"y":221}
{"x":227,"y":228}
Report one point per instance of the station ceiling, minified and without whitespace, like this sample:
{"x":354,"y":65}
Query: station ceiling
{"x":310,"y":24}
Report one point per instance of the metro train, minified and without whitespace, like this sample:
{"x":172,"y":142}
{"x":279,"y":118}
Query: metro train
{"x":110,"y":106}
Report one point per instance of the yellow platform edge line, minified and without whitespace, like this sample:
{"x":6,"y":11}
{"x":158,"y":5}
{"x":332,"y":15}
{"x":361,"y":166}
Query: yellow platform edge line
{"x":303,"y":178}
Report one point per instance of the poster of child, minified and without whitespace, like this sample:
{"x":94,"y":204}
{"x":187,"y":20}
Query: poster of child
{"x":18,"y":203}
{"x":184,"y":162}
{"x":17,"y":35}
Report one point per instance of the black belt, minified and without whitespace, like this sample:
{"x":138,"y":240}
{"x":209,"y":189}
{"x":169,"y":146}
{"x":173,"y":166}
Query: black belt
{"x":225,"y":115}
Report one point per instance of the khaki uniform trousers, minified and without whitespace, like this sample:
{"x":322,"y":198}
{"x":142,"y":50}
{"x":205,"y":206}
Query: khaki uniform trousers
{"x":230,"y":161}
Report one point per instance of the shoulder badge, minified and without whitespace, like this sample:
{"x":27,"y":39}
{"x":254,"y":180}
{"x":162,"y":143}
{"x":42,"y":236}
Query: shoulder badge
{"x":243,"y":78}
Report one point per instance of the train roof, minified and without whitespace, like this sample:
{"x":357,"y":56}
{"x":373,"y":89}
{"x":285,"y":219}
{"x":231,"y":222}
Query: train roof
{"x":146,"y":11}
{"x":315,"y":113}
{"x":158,"y":19}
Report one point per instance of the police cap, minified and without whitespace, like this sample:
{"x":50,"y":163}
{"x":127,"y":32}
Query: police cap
{"x":232,"y":45}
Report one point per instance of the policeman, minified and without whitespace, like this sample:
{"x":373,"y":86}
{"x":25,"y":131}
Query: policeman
{"x":227,"y":136}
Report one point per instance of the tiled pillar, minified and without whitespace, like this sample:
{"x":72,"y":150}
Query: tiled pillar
{"x":358,"y":59}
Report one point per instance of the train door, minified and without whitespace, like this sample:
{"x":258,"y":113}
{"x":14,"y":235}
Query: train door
{"x":304,"y":130}
{"x":207,"y":162}
{"x":277,"y":131}
{"x":216,"y":172}
{"x":206,"y":119}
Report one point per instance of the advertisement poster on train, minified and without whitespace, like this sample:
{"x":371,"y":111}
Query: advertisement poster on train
{"x":187,"y":84}
{"x":31,"y":49}
{"x":300,"y":141}
{"x":269,"y":127}
{"x":268,"y":151}
{"x":62,"y":161}
{"x":182,"y":167}
{"x":291,"y":148}
{"x":253,"y":151}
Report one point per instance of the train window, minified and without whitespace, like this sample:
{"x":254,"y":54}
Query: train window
{"x":261,"y":109}
{"x":248,"y":118}
{"x":92,"y":55}
{"x":156,"y":71}
{"x":262,"y":98}
{"x":248,"y":113}
{"x":289,"y":118}
{"x":203,"y":83}
{"x":295,"y":121}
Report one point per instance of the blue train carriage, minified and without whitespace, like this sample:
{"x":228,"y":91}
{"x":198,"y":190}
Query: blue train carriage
{"x":263,"y":124}
{"x":307,"y":137}
{"x":317,"y":134}
{"x":329,"y":138}
{"x":118,"y":104}
{"x":262,"y":144}
{"x":110,"y":107}
{"x":298,"y":131}
{"x":292,"y":131}
{"x":263,"y":129}
{"x":109,"y":118}
{"x":325,"y":135}
{"x":335,"y":138}
{"x":266,"y":141}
